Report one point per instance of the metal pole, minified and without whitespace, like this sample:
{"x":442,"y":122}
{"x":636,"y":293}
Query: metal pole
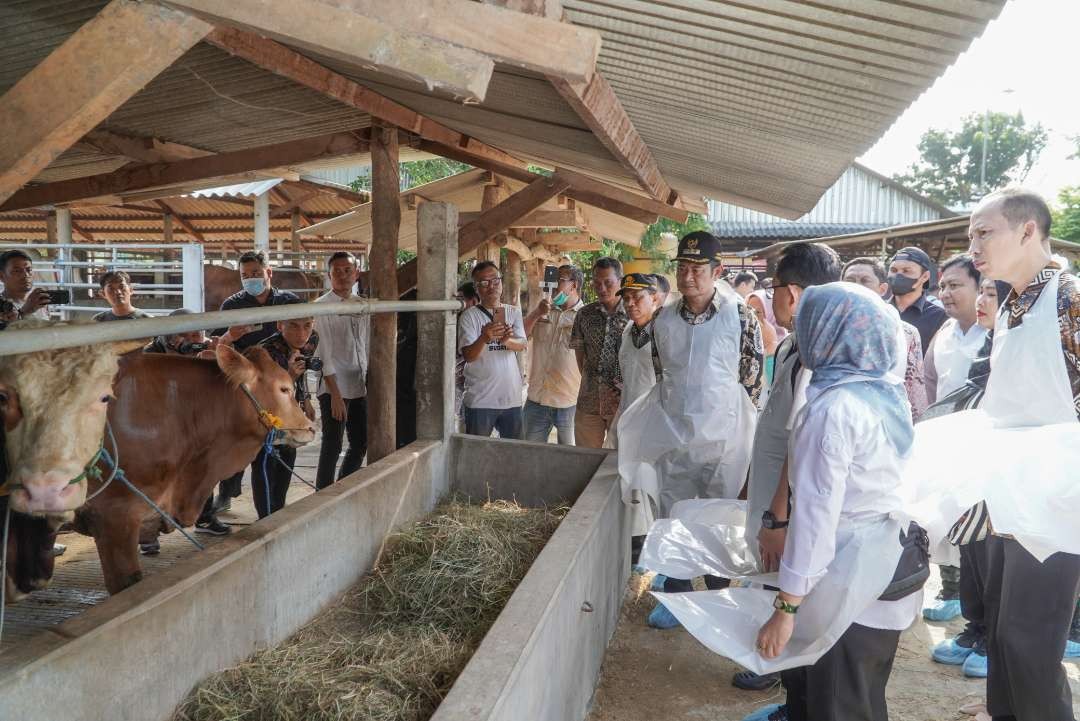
{"x":30,"y":340}
{"x":63,"y":237}
{"x":194,"y":293}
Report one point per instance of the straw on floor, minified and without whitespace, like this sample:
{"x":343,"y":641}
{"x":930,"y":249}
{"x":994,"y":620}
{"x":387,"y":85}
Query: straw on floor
{"x":391,"y":649}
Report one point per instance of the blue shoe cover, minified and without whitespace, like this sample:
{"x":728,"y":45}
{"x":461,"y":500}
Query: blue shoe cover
{"x":763,"y":713}
{"x":658,"y":582}
{"x":942,"y":610}
{"x":950,"y":652}
{"x":662,"y":618}
{"x":975,"y":666}
{"x":1072,"y":649}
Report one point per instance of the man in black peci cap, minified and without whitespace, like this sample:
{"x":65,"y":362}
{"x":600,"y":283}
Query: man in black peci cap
{"x":691,"y":438}
{"x":909,"y":276}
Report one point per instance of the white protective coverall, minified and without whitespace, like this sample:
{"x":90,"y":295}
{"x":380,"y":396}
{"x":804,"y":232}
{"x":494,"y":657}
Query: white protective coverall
{"x":690,"y":435}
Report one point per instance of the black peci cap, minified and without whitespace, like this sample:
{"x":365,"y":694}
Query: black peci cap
{"x":699,"y":247}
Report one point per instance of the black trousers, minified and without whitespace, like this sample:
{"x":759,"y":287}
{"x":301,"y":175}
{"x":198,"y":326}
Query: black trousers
{"x":847,"y":683}
{"x":231,"y":486}
{"x":973,"y":568}
{"x":354,"y":428}
{"x":279,"y":480}
{"x":1029,"y":608}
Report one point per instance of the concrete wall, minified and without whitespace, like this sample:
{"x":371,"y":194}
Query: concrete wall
{"x":541,"y":659}
{"x":533,"y":474}
{"x":135,"y":656}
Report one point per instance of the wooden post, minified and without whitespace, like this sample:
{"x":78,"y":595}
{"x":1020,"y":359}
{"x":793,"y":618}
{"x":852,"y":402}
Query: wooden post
{"x":295,"y":237}
{"x":166,"y":227}
{"x":50,"y":229}
{"x":512,"y":278}
{"x":382,"y":357}
{"x":436,"y":255}
{"x":493,"y":195}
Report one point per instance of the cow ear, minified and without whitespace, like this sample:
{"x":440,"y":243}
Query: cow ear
{"x":121,"y":347}
{"x":236,"y":367}
{"x":10,"y":411}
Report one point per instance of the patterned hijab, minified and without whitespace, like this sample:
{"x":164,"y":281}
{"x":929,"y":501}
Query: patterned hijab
{"x":848,"y":337}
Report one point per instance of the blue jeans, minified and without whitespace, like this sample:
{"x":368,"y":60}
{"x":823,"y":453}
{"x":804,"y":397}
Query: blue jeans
{"x":481,"y":421}
{"x":539,"y":420}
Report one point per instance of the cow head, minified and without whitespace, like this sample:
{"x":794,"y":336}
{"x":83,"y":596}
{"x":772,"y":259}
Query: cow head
{"x":53,"y":405}
{"x":272,"y":387}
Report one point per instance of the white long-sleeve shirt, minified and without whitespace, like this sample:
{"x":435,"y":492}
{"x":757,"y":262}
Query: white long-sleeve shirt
{"x":840,"y":465}
{"x":343,"y":349}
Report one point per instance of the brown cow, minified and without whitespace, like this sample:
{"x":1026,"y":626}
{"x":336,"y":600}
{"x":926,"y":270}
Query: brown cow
{"x":52,"y":405}
{"x":181,"y":425}
{"x":219,"y":282}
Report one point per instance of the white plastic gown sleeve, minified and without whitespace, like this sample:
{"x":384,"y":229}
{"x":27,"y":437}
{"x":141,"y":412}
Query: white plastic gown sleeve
{"x":690,"y":435}
{"x":1023,"y":444}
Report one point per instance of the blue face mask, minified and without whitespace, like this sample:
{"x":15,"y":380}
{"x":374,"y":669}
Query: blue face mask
{"x":254,"y":286}
{"x":559,"y":299}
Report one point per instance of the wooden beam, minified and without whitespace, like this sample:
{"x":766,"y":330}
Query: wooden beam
{"x":290,"y":64}
{"x":515,"y":246}
{"x":385,"y":228}
{"x":143,"y":150}
{"x":544,"y":8}
{"x":83,"y":81}
{"x":339,"y":29}
{"x":184,"y":223}
{"x":167,"y":228}
{"x":535,"y":219}
{"x":583,"y":188}
{"x":343,"y":193}
{"x":567,"y":241}
{"x":131,"y":178}
{"x":86,"y":236}
{"x":597,"y":105}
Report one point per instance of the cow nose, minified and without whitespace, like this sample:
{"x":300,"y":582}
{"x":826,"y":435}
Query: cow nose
{"x":49,"y":492}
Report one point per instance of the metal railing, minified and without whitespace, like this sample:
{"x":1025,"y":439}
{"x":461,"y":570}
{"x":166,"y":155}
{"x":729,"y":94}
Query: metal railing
{"x":30,"y":340}
{"x":133,"y":258}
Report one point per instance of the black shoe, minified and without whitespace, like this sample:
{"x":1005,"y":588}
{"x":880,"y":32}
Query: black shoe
{"x":213,"y":526}
{"x":150,"y":549}
{"x":222,"y":503}
{"x":58,"y":549}
{"x":750,"y":681}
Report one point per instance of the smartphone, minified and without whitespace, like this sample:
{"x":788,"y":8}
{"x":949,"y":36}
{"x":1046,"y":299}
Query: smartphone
{"x":499,"y":316}
{"x":59,"y":297}
{"x":551,"y":275}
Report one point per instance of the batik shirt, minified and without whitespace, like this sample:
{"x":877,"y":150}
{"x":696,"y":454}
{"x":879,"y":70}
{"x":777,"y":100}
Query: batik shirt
{"x":598,"y":334}
{"x":751,"y":346}
{"x":1068,"y":311}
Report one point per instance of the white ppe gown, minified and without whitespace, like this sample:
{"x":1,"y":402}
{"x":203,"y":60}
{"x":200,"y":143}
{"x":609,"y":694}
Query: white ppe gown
{"x":639,"y":376}
{"x":690,"y":435}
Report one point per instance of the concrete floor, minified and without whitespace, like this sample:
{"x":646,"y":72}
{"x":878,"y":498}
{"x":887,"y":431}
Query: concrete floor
{"x":78,"y":585}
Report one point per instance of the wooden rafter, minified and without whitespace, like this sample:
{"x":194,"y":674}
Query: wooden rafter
{"x":184,"y":222}
{"x":336,"y":29}
{"x":582,"y":188}
{"x":143,"y":150}
{"x":290,"y":64}
{"x":535,"y":219}
{"x":598,"y":106}
{"x":153,"y":175}
{"x":343,"y":193}
{"x":90,"y":75}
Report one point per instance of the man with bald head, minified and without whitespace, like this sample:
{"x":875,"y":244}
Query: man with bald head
{"x":1028,"y":604}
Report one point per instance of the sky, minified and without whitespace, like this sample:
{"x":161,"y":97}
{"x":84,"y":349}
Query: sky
{"x":1028,"y":59}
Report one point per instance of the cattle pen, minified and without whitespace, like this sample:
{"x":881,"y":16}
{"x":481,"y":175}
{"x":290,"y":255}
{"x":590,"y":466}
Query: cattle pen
{"x":568,"y":124}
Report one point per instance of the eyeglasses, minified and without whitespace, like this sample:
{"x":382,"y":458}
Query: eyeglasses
{"x":490,"y":282}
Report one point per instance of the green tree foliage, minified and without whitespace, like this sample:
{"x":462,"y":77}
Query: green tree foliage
{"x":418,"y":172}
{"x":1067,"y":215}
{"x":950,"y":162}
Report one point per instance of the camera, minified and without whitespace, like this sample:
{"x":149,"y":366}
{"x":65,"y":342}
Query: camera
{"x":188,"y":348}
{"x":312,"y":363}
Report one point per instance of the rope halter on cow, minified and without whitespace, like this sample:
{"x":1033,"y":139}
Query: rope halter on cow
{"x":90,"y":470}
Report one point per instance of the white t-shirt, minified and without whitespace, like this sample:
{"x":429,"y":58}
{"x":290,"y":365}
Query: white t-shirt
{"x":494,"y":379}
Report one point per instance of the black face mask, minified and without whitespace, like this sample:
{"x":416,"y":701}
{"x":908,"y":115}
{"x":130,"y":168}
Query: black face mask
{"x":901,"y":284}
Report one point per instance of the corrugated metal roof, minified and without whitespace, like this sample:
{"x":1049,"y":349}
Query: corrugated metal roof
{"x":761,"y":104}
{"x":741,"y":230}
{"x":240,"y":190}
{"x":861,"y":199}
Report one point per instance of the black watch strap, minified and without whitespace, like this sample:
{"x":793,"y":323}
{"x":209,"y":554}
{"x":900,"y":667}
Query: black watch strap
{"x":768,"y":521}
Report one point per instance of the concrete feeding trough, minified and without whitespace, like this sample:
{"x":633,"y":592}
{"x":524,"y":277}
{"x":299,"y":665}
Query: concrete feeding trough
{"x":137,"y":655}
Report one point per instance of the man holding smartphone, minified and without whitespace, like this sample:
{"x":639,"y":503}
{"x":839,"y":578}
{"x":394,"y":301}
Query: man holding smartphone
{"x":489,"y":334}
{"x":17,"y":275}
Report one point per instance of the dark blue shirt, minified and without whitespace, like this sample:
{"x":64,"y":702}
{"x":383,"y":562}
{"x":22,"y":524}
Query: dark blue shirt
{"x":245,"y":300}
{"x":926,"y":316}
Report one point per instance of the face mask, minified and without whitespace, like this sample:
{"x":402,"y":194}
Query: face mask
{"x":901,"y":284}
{"x":254,"y":286}
{"x":560,"y":299}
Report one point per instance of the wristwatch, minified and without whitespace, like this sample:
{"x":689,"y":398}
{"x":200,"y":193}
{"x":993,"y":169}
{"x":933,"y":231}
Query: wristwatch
{"x":768,"y":520}
{"x":781,"y":605}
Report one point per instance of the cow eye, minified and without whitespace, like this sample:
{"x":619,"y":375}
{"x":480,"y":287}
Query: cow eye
{"x":284,"y":389}
{"x":106,"y":398}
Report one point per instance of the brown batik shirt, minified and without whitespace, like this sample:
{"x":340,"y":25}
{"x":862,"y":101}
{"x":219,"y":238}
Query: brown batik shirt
{"x":598,"y":334}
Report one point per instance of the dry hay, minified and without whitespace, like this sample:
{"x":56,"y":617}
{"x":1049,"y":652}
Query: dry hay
{"x":392,"y":648}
